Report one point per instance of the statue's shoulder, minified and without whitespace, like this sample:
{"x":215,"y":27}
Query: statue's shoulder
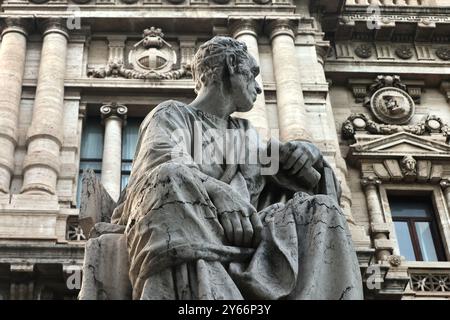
{"x":164,"y":110}
{"x":167,"y":107}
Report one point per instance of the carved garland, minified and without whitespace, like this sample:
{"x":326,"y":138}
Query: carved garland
{"x":118,"y":69}
{"x":362,"y":122}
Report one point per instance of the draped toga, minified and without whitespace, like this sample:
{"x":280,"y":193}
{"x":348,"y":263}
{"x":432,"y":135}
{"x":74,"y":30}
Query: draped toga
{"x":176,"y":244}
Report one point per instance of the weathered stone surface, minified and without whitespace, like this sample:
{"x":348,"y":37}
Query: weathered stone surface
{"x":102,"y":228}
{"x":105,"y":269}
{"x":201,"y":229}
{"x":96,"y":203}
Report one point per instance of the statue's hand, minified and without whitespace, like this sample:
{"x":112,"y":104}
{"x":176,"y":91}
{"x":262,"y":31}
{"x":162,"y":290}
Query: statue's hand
{"x":238,"y":218}
{"x":300,"y":159}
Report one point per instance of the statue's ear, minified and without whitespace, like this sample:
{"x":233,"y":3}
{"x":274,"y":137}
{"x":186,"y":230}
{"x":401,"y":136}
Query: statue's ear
{"x":231,"y":63}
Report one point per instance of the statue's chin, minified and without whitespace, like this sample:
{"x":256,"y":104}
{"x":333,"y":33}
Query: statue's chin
{"x":245,"y":109}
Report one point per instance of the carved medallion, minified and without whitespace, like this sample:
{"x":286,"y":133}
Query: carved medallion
{"x":392,"y":105}
{"x":404,"y":52}
{"x":443,"y":53}
{"x":363,"y":51}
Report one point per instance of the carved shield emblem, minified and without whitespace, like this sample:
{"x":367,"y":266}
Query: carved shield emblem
{"x":152,"y":53}
{"x":392,"y":105}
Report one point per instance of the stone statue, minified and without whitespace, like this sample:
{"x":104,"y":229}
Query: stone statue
{"x":225,"y":229}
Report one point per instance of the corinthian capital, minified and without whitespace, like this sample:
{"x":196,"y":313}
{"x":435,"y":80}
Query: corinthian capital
{"x":239,"y":26}
{"x":20,"y":25}
{"x":283,"y":27}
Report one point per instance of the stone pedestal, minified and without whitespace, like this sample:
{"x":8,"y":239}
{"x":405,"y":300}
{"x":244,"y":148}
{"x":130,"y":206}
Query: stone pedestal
{"x":44,"y":140}
{"x":12,"y":64}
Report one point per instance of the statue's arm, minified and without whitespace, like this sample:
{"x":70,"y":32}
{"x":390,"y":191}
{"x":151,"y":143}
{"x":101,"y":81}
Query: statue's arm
{"x":302,"y":167}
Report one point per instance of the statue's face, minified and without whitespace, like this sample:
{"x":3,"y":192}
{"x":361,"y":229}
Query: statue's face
{"x":244,"y":88}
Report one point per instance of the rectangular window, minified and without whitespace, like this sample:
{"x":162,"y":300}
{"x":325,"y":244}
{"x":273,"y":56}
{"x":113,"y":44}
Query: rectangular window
{"x":416,"y":228}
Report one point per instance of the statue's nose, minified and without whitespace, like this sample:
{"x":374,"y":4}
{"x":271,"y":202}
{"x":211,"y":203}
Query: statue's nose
{"x":258,"y":88}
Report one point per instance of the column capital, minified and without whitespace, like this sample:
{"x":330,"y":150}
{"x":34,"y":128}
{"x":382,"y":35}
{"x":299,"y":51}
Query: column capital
{"x":20,"y":25}
{"x":370,"y":181}
{"x":113,"y":110}
{"x":239,"y":26}
{"x":82,"y":110}
{"x":283,"y":26}
{"x":322,"y":50}
{"x":445,"y":183}
{"x":53,"y":25}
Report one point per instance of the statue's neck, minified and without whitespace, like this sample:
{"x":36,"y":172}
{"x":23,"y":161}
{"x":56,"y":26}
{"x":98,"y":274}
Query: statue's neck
{"x":213,"y":101}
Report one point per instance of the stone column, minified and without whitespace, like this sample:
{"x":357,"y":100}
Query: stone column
{"x":245,"y":30}
{"x":291,"y":111}
{"x":12,"y":65}
{"x":45,"y":135}
{"x":113,"y":117}
{"x":379,"y":229}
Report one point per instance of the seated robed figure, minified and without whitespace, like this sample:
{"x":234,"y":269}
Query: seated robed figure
{"x":204,"y":221}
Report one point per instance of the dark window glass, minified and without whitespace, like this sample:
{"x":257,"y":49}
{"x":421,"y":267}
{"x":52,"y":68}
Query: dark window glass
{"x":416,"y":228}
{"x":91,"y":152}
{"x":129,"y":141}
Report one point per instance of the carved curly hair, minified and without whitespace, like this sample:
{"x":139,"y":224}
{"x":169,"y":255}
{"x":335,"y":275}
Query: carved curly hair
{"x":210,"y":59}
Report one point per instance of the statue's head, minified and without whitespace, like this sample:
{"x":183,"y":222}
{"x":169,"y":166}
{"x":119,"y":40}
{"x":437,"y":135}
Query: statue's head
{"x":224,"y":62}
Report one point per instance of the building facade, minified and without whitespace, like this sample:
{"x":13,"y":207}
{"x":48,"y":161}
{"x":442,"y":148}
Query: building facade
{"x":368,"y":81}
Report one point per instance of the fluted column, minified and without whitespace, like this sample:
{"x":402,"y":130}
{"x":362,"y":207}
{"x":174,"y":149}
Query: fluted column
{"x":291,"y":110}
{"x":379,"y":231}
{"x":12,"y":65}
{"x":44,"y":139}
{"x":113,"y":117}
{"x":245,"y":30}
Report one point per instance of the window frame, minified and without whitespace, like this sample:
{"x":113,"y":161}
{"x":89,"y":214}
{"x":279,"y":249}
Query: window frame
{"x":441,"y":214}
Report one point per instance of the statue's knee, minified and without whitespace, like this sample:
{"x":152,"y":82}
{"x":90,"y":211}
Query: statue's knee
{"x":330,"y":203}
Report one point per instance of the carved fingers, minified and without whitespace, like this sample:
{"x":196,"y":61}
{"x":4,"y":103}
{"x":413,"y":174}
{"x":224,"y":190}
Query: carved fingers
{"x":241,"y":230}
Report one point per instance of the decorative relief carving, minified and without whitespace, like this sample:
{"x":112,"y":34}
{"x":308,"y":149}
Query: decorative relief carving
{"x":409,"y":166}
{"x":395,"y":260}
{"x":74,"y":231}
{"x":388,"y":99}
{"x":443,"y":53}
{"x":430,"y":282}
{"x":151,"y":58}
{"x":362,"y":122}
{"x":363,"y":51}
{"x":392,"y":105}
{"x":404,"y":52}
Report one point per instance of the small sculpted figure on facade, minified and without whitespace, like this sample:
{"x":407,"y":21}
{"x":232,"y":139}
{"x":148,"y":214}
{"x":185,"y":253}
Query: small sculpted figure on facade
{"x":206,"y":221}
